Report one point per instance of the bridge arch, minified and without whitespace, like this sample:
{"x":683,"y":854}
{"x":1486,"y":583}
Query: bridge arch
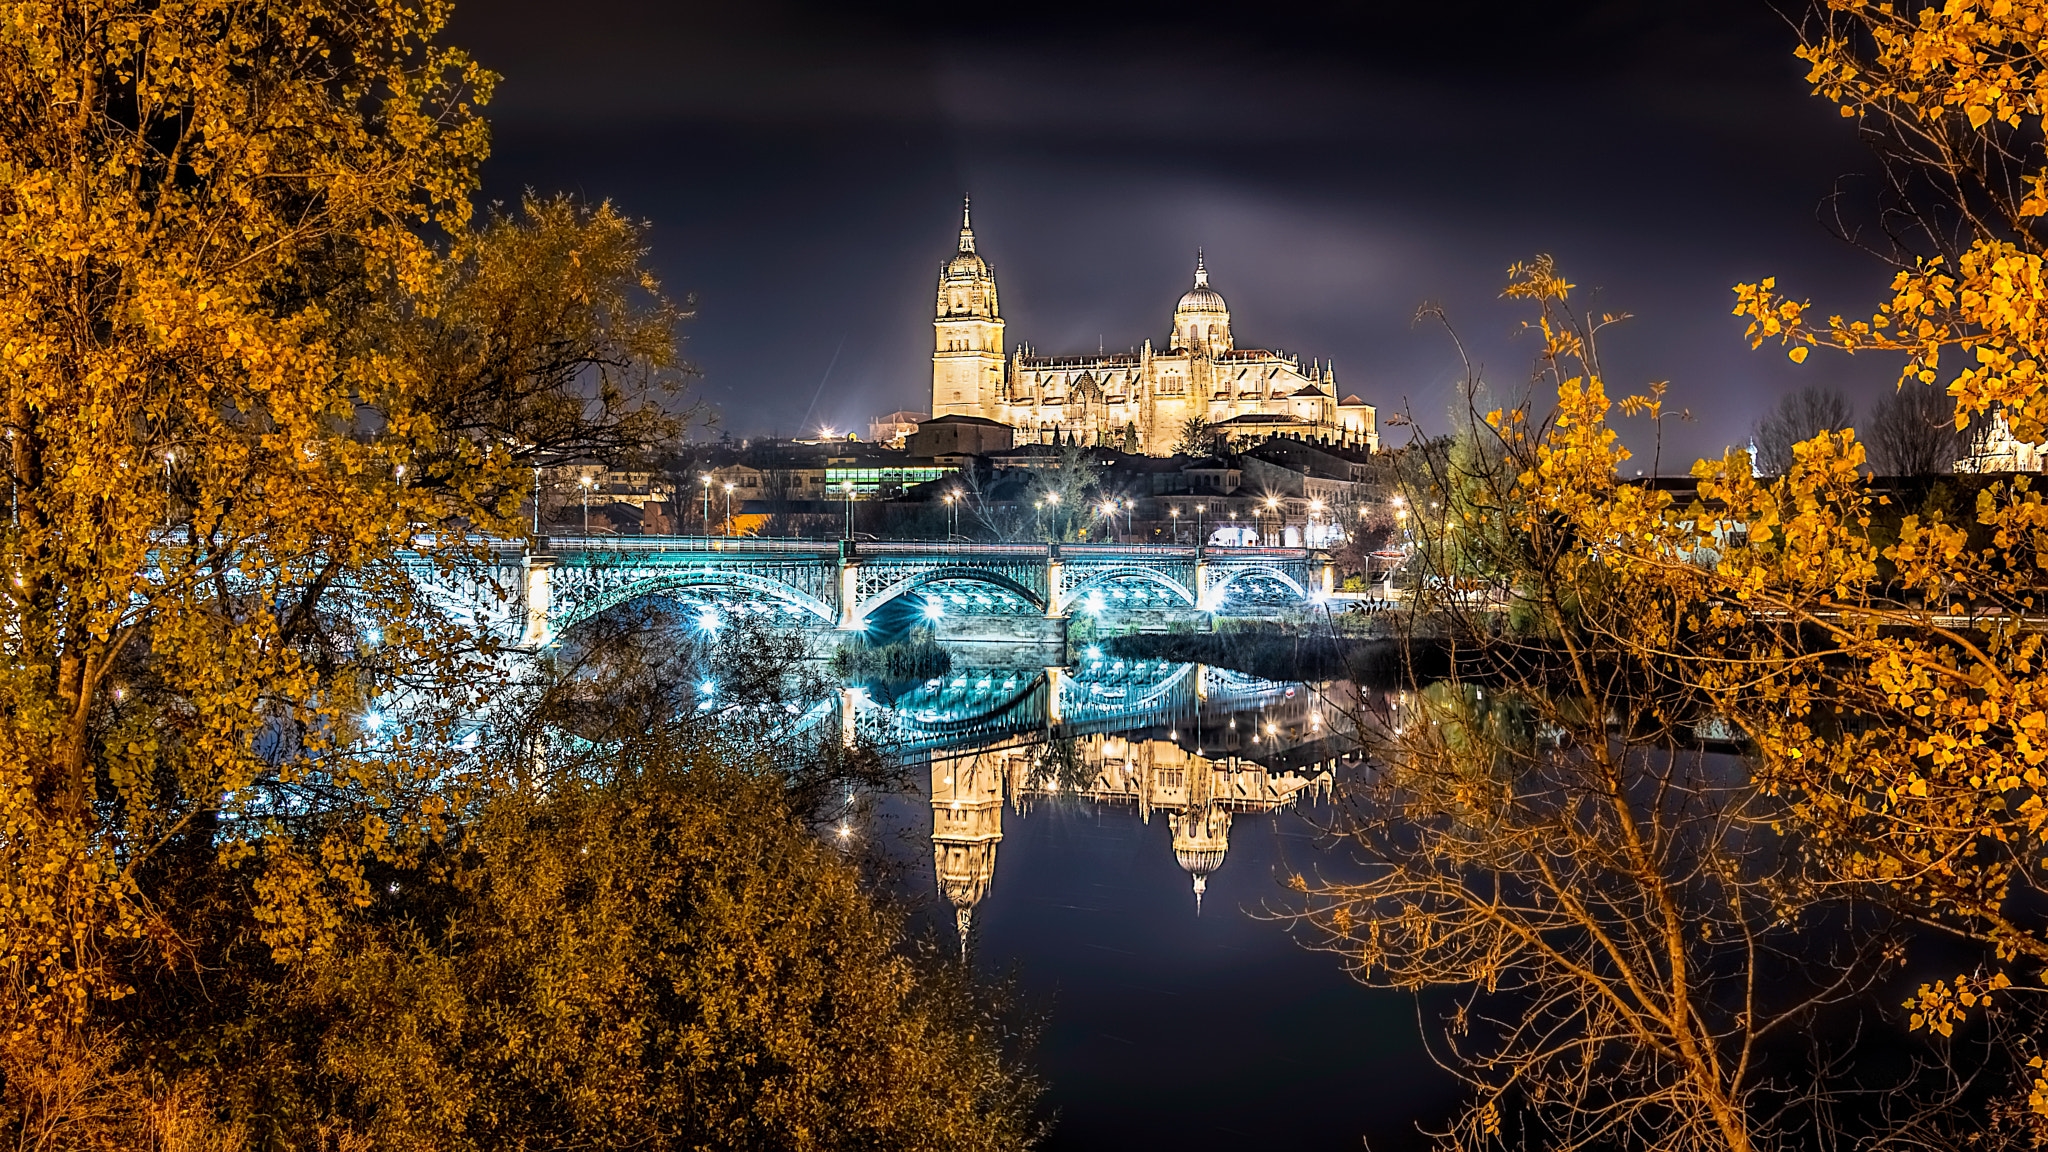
{"x":582,"y":608}
{"x":912,"y":581}
{"x":1096,"y":577}
{"x":1213,"y":594}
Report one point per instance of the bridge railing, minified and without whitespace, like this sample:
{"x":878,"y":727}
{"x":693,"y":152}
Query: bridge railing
{"x":941,"y":548}
{"x":638,"y":544}
{"x":795,"y":545}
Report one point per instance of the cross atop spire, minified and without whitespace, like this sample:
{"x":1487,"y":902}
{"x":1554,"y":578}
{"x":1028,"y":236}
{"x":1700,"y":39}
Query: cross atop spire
{"x":967,"y":223}
{"x":1201,"y":271}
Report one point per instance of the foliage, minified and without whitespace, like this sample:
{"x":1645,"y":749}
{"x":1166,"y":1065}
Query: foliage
{"x":914,"y":657}
{"x":1629,"y":932}
{"x":1197,"y":438}
{"x":262,"y":374}
{"x":653,"y":949}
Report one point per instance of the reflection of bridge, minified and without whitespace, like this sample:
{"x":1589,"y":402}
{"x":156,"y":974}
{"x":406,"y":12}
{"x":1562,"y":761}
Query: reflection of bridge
{"x":840,"y":584}
{"x":988,"y":702}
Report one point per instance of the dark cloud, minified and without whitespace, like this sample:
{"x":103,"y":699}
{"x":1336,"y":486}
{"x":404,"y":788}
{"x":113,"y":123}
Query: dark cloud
{"x":1341,"y":163}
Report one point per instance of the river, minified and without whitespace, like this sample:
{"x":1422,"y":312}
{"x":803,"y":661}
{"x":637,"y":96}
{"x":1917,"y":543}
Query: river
{"x":1114,"y":836}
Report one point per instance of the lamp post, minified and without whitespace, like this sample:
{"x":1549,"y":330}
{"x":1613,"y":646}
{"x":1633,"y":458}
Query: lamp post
{"x":536,"y":497}
{"x":1109,"y":513}
{"x":705,"y":518}
{"x":952,"y":516}
{"x":728,"y":509}
{"x":585,"y":482}
{"x":1279,"y":531}
{"x":1174,"y":514}
{"x":846,"y":486}
{"x":1199,"y":538}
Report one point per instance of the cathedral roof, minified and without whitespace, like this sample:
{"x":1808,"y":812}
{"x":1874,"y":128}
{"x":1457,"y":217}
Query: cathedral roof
{"x":1352,"y":401}
{"x":967,"y":262}
{"x":1201,"y":298}
{"x":1308,"y":390}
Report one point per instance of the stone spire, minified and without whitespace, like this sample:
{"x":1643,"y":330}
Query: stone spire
{"x":1201,"y":270}
{"x":967,"y":223}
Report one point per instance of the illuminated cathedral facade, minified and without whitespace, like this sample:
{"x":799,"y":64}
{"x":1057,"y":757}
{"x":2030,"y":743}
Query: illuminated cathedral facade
{"x":1142,"y":401}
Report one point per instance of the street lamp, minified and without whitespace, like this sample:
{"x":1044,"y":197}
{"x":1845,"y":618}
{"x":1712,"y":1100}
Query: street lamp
{"x":846,"y":486}
{"x":1199,"y":509}
{"x":585,"y":482}
{"x":1280,"y":529}
{"x":705,"y":518}
{"x":1174,"y":513}
{"x":952,"y":516}
{"x":728,"y":509}
{"x":1052,"y":498}
{"x":1109,"y":512}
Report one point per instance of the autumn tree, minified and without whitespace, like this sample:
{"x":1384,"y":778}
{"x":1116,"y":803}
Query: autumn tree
{"x":262,"y":372}
{"x":1632,"y":945}
{"x":1910,"y":734}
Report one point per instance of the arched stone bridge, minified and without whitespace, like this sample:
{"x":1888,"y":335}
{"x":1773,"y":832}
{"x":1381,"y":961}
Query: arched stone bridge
{"x":840,"y":584}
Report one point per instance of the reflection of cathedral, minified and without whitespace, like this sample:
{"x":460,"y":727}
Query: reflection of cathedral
{"x":1147,"y":395}
{"x":1197,"y":794}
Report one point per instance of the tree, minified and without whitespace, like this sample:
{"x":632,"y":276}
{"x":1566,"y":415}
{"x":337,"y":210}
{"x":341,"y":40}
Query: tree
{"x":260,"y":365}
{"x":1911,"y":738}
{"x":1797,"y":417}
{"x":1629,"y":938}
{"x":1913,"y":433}
{"x":1197,"y":438}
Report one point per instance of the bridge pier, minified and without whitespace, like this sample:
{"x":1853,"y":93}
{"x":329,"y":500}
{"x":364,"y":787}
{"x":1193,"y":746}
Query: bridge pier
{"x":537,"y":592}
{"x":849,"y":590}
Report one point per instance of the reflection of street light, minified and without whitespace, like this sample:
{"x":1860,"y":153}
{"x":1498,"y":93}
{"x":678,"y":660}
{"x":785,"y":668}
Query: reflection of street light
{"x":585,"y":482}
{"x":728,"y":509}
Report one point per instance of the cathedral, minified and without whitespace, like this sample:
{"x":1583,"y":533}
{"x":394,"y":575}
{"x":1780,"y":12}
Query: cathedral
{"x":1141,"y":401}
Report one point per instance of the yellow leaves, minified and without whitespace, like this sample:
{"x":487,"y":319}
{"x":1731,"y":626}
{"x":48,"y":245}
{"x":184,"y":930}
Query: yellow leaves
{"x":1797,"y":354}
{"x":1937,"y":1007}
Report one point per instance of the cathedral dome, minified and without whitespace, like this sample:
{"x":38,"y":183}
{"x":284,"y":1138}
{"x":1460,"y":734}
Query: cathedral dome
{"x":1201,"y":298}
{"x":1201,"y":321}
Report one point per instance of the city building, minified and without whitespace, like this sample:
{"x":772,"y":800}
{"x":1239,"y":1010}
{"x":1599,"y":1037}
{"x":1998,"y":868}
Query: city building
{"x":894,"y":428}
{"x":1141,"y":401}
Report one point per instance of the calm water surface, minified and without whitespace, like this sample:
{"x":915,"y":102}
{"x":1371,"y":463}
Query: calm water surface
{"x":1069,"y":817}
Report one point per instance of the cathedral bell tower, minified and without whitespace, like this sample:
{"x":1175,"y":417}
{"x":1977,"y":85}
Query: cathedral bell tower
{"x":967,"y":352}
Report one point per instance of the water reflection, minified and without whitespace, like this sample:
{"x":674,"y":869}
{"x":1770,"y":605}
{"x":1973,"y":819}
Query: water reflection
{"x":1196,"y":745}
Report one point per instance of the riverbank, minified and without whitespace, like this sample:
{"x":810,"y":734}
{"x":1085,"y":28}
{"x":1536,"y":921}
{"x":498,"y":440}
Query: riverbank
{"x":1277,"y":652}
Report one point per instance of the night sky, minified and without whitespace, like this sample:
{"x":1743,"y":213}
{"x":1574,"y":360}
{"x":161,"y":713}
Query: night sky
{"x":802,"y":165}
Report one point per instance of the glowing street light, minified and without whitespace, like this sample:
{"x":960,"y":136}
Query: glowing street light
{"x":728,"y":509}
{"x":846,"y":487}
{"x":952,"y":499}
{"x":585,"y":482}
{"x":706,"y":519}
